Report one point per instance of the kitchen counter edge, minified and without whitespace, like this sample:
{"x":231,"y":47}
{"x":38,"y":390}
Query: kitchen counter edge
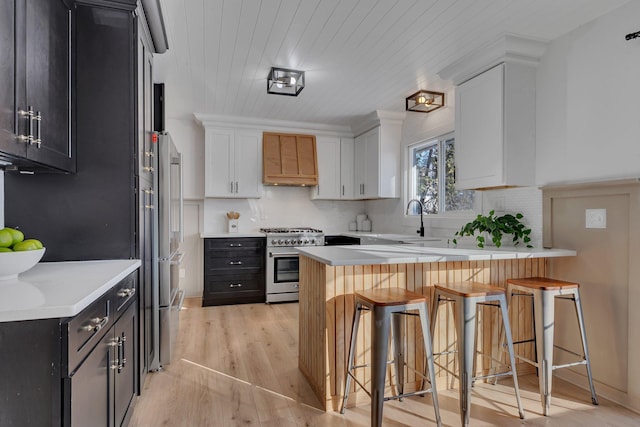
{"x":60,"y":289}
{"x":409,"y":254}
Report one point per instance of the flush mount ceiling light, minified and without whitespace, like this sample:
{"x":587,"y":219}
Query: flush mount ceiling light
{"x":425,"y":101}
{"x":282,"y":81}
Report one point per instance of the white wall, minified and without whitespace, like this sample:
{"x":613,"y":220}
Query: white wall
{"x":588,"y":114}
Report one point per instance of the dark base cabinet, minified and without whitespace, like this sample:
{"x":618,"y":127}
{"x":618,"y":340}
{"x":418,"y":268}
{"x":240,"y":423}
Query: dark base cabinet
{"x":234,"y":271}
{"x":72,"y":372}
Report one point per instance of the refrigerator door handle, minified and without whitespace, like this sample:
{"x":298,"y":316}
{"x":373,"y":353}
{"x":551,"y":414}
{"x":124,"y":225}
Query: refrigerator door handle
{"x":181,"y":221}
{"x":175,"y":259}
{"x":181,"y":300}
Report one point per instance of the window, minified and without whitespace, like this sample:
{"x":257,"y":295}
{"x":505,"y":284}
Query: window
{"x":432,"y":178}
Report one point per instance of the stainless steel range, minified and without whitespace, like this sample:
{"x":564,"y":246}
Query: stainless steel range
{"x":282,"y":260}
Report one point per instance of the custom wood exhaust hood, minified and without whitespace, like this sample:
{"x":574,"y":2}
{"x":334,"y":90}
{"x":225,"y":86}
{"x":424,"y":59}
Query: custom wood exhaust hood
{"x":289,"y":159}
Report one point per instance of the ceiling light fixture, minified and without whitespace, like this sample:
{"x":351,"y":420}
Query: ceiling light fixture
{"x":424,"y":101}
{"x":283,"y":81}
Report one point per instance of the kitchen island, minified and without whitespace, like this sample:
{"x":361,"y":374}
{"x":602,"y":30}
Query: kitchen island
{"x":330,"y":275}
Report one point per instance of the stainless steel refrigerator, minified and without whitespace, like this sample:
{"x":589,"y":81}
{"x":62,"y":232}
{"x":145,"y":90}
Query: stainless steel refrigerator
{"x":168,"y":189}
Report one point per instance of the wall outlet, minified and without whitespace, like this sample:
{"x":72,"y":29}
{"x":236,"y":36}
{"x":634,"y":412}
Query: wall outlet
{"x":182,"y":273}
{"x":595,"y":218}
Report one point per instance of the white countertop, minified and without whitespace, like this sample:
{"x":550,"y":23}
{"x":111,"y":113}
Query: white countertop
{"x":59,"y":289}
{"x":418,"y":253}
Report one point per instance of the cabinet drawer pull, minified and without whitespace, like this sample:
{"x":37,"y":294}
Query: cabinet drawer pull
{"x":127,"y":292}
{"x":98,"y":323}
{"x":235,"y":285}
{"x":36,"y":138}
{"x":235,"y":262}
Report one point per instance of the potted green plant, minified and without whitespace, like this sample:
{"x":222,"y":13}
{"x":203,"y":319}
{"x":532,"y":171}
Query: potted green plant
{"x":494,"y":227}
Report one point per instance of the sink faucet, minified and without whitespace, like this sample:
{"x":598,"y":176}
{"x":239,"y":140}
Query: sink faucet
{"x":421,"y":231}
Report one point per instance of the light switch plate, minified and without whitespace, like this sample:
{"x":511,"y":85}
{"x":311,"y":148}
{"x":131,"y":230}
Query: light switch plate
{"x":595,"y":218}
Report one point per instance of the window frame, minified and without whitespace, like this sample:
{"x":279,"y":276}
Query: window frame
{"x":440,"y":142}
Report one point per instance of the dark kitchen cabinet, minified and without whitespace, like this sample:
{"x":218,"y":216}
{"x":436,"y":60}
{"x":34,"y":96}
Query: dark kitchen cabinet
{"x":234,"y":270}
{"x":35,"y":121}
{"x":72,"y":372}
{"x":101,"y":211}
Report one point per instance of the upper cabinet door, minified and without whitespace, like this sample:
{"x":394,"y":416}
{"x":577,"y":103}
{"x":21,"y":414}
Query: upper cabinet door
{"x":47,"y":90}
{"x":495,"y":128}
{"x":8,"y":142}
{"x":219,"y":179}
{"x":248,"y":170}
{"x":328,"y":152}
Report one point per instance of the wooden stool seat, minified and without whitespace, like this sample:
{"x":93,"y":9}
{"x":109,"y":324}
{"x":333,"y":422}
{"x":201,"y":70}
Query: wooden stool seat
{"x":466,"y":296}
{"x":470,"y":289}
{"x":390,"y":296}
{"x":543,"y":283}
{"x":543,"y":293}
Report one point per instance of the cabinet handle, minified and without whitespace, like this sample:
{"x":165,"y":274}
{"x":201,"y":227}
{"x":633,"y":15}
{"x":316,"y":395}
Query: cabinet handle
{"x":98,"y":323}
{"x":235,"y":262}
{"x":127,"y":292}
{"x":123,"y":360}
{"x":148,"y":169}
{"x":235,"y":245}
{"x":235,"y":285}
{"x":116,"y":362}
{"x":236,"y":187}
{"x":38,"y":119}
{"x":231,"y":187}
{"x":149,"y":193}
{"x":29,"y":115}
{"x":343,"y":190}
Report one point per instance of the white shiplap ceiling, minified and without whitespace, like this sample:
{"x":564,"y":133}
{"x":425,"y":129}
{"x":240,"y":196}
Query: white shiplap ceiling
{"x":359,"y":55}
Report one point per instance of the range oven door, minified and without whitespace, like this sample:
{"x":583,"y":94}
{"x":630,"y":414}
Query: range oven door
{"x":282,"y":274}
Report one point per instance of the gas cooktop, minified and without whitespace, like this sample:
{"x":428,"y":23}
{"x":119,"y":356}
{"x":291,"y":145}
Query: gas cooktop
{"x":290,"y":230}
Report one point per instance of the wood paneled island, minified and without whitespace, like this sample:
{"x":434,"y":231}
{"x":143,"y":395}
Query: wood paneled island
{"x":329,"y":276}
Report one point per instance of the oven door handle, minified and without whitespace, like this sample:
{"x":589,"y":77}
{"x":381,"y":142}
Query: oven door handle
{"x":282,"y":254}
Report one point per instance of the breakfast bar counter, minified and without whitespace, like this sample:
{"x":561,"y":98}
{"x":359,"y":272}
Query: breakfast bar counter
{"x":330,"y":275}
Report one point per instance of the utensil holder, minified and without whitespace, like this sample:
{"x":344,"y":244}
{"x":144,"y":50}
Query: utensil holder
{"x":233,"y":225}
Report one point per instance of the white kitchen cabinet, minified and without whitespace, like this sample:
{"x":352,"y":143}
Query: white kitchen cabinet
{"x":377,"y":163}
{"x":233,"y":166}
{"x":495,"y":128}
{"x":347,"y":155}
{"x":335,"y":168}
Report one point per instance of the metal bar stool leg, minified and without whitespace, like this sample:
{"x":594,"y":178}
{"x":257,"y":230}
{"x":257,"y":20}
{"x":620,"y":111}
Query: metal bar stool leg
{"x":428,"y":349}
{"x":379,"y":344}
{"x":544,"y":324}
{"x":466,"y":331}
{"x":583,"y":333}
{"x":512,"y":359}
{"x":398,"y":350}
{"x":352,"y":349}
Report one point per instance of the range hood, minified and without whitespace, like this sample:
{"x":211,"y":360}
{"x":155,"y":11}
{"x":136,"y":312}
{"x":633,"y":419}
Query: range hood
{"x":289,"y":159}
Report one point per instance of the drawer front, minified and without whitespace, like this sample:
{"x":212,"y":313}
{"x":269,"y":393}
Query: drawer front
{"x":246,"y":243}
{"x":124,"y":293}
{"x":86,"y":329}
{"x":232,"y":262}
{"x":234,"y":283}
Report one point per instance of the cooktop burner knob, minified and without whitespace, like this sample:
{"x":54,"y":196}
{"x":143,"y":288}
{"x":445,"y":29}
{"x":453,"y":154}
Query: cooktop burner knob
{"x":274,"y":241}
{"x":280,"y":241}
{"x":305,"y":241}
{"x":313,"y":241}
{"x":286,"y":242}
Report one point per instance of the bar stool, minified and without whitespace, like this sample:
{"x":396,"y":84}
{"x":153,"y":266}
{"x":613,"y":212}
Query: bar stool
{"x":466,"y":296}
{"x":385,"y":305}
{"x":544,"y":292}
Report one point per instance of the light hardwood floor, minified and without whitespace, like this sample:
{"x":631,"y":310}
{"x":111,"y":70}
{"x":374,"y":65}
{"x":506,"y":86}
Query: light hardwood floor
{"x":237,"y":365}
